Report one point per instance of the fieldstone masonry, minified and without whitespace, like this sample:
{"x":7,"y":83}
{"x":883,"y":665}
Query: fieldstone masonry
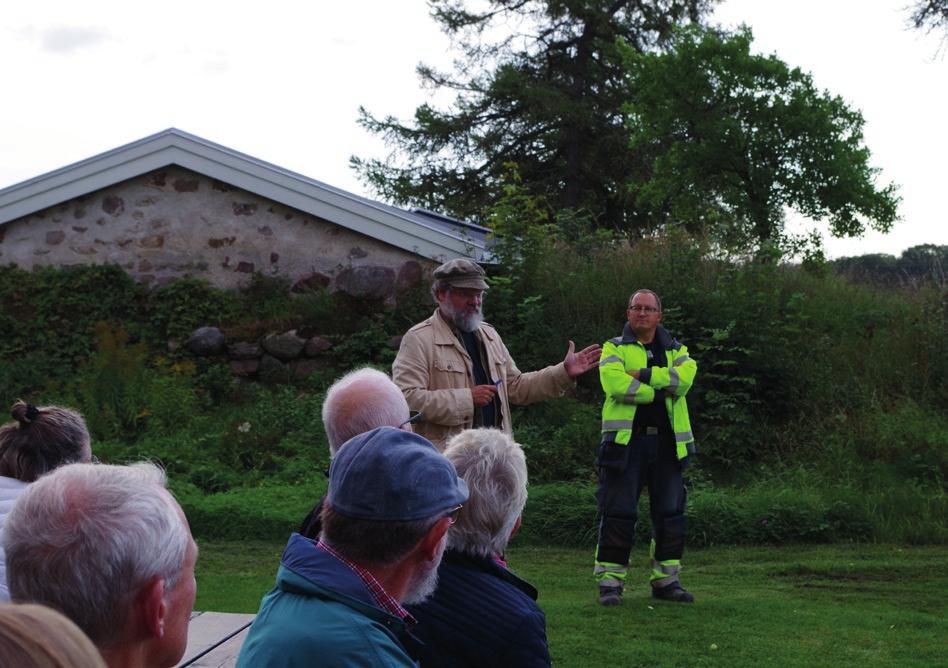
{"x":274,"y":357}
{"x":173,"y":223}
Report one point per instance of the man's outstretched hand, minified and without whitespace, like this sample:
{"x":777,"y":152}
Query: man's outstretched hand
{"x":577,"y":364}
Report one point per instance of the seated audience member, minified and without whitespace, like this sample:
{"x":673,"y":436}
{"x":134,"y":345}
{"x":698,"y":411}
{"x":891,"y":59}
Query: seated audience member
{"x":359,"y":401}
{"x":40,"y":440}
{"x":109,"y":547}
{"x":33,"y":636}
{"x":482,"y":614}
{"x":337,"y":602}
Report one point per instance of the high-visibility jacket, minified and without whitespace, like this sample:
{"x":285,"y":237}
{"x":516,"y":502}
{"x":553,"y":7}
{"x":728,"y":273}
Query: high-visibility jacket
{"x":623,"y":392}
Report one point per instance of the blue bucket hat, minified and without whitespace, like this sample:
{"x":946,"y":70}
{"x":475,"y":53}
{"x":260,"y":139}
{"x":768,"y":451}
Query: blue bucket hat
{"x":392,"y":475}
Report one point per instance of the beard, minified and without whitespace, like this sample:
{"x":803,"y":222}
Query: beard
{"x":425,"y":580}
{"x":467,"y":320}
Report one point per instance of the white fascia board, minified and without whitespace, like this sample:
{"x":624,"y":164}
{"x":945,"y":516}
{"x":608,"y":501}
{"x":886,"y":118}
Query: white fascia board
{"x":173,"y":147}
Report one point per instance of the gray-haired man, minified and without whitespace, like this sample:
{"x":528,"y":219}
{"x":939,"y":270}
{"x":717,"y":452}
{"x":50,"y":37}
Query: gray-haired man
{"x":455,"y":369}
{"x":110,"y":548}
{"x":356,"y":403}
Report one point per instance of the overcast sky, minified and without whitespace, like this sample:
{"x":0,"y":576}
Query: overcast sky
{"x":282,"y":81}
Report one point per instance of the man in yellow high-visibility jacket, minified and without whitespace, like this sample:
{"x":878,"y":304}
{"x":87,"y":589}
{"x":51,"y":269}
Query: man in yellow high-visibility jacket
{"x":646,"y":440}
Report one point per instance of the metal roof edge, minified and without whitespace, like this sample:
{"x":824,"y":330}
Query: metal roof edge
{"x":105,"y":168}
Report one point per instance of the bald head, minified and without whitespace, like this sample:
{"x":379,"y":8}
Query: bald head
{"x":359,"y":402}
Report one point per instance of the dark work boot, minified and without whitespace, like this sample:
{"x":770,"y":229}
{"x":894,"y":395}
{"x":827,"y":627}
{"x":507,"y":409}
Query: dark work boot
{"x":609,"y":595}
{"x":673,"y":592}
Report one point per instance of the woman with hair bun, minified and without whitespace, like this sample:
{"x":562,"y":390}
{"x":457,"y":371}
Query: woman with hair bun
{"x":39,"y":440}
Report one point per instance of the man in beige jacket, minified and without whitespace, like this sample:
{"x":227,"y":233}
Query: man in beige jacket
{"x":455,"y":369}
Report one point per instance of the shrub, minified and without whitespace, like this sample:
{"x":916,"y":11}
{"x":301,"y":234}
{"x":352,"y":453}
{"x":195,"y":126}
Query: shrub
{"x":559,"y":438}
{"x":176,"y":310}
{"x":560,"y":514}
{"x":48,"y":318}
{"x":265,"y":513}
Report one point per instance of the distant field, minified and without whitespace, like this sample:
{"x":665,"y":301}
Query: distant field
{"x":829,"y":605}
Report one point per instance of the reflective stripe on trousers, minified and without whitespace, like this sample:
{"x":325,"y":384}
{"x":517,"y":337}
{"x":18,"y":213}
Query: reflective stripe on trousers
{"x":610,"y":575}
{"x":664,"y":573}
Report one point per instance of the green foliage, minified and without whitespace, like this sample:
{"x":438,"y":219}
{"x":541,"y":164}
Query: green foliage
{"x":818,"y":407}
{"x":910,"y":438}
{"x":177,"y":309}
{"x":559,"y":438}
{"x":780,"y":510}
{"x":925,"y":264}
{"x":112,"y":385}
{"x":369,"y":344}
{"x":730,"y":402}
{"x":49,"y":317}
{"x":732,"y":139}
{"x":261,"y":513}
{"x":559,"y":514}
{"x":277,"y":426}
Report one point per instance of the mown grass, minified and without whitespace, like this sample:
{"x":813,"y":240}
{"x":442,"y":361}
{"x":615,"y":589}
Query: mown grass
{"x":827,"y":605}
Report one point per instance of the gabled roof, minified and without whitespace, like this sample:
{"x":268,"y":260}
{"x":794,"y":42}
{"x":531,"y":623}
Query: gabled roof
{"x":417,"y":231}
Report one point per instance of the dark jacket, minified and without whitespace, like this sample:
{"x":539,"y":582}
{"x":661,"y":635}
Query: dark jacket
{"x":480,"y":615}
{"x":320,"y":614}
{"x":312,"y":524}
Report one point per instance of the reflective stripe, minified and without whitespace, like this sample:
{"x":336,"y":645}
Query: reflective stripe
{"x":616,"y":425}
{"x":681,"y":360}
{"x":601,"y":568}
{"x":681,"y":436}
{"x":673,"y":380}
{"x":633,"y":387}
{"x":610,"y":575}
{"x":664,"y":574}
{"x":609,"y":360}
{"x":666,"y":569}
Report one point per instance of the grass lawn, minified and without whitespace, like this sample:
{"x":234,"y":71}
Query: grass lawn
{"x":828,"y":605}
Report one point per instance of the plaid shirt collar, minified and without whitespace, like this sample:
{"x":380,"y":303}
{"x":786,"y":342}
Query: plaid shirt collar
{"x":382,"y":597}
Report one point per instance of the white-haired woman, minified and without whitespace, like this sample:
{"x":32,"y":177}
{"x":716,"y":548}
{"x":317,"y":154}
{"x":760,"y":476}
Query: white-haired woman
{"x":481,"y":614}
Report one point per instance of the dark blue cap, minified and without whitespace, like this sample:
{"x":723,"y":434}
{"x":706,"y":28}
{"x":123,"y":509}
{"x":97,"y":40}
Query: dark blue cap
{"x":392,"y":475}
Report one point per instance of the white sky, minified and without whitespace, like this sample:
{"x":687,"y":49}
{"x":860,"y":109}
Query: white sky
{"x":282,"y":81}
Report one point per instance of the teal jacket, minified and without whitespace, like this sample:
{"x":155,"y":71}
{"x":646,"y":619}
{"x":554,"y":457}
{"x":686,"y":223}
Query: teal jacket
{"x":320,"y":614}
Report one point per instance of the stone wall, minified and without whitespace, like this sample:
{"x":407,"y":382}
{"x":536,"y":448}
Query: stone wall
{"x":173,"y":223}
{"x":274,"y":357}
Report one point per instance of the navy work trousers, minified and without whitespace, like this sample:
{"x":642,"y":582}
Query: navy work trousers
{"x":647,"y":461}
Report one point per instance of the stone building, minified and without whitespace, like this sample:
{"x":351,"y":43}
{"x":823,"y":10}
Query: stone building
{"x":173,"y":205}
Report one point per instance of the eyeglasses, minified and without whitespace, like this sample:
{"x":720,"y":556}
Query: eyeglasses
{"x":453,"y":513}
{"x":643,"y":309}
{"x":413,"y":417}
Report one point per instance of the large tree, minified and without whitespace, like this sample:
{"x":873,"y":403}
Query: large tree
{"x":734,"y":139}
{"x":929,"y":15}
{"x":545,"y":96}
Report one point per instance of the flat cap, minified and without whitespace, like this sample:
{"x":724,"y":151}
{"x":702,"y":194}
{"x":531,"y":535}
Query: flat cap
{"x":461,"y":273}
{"x":392,"y":475}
